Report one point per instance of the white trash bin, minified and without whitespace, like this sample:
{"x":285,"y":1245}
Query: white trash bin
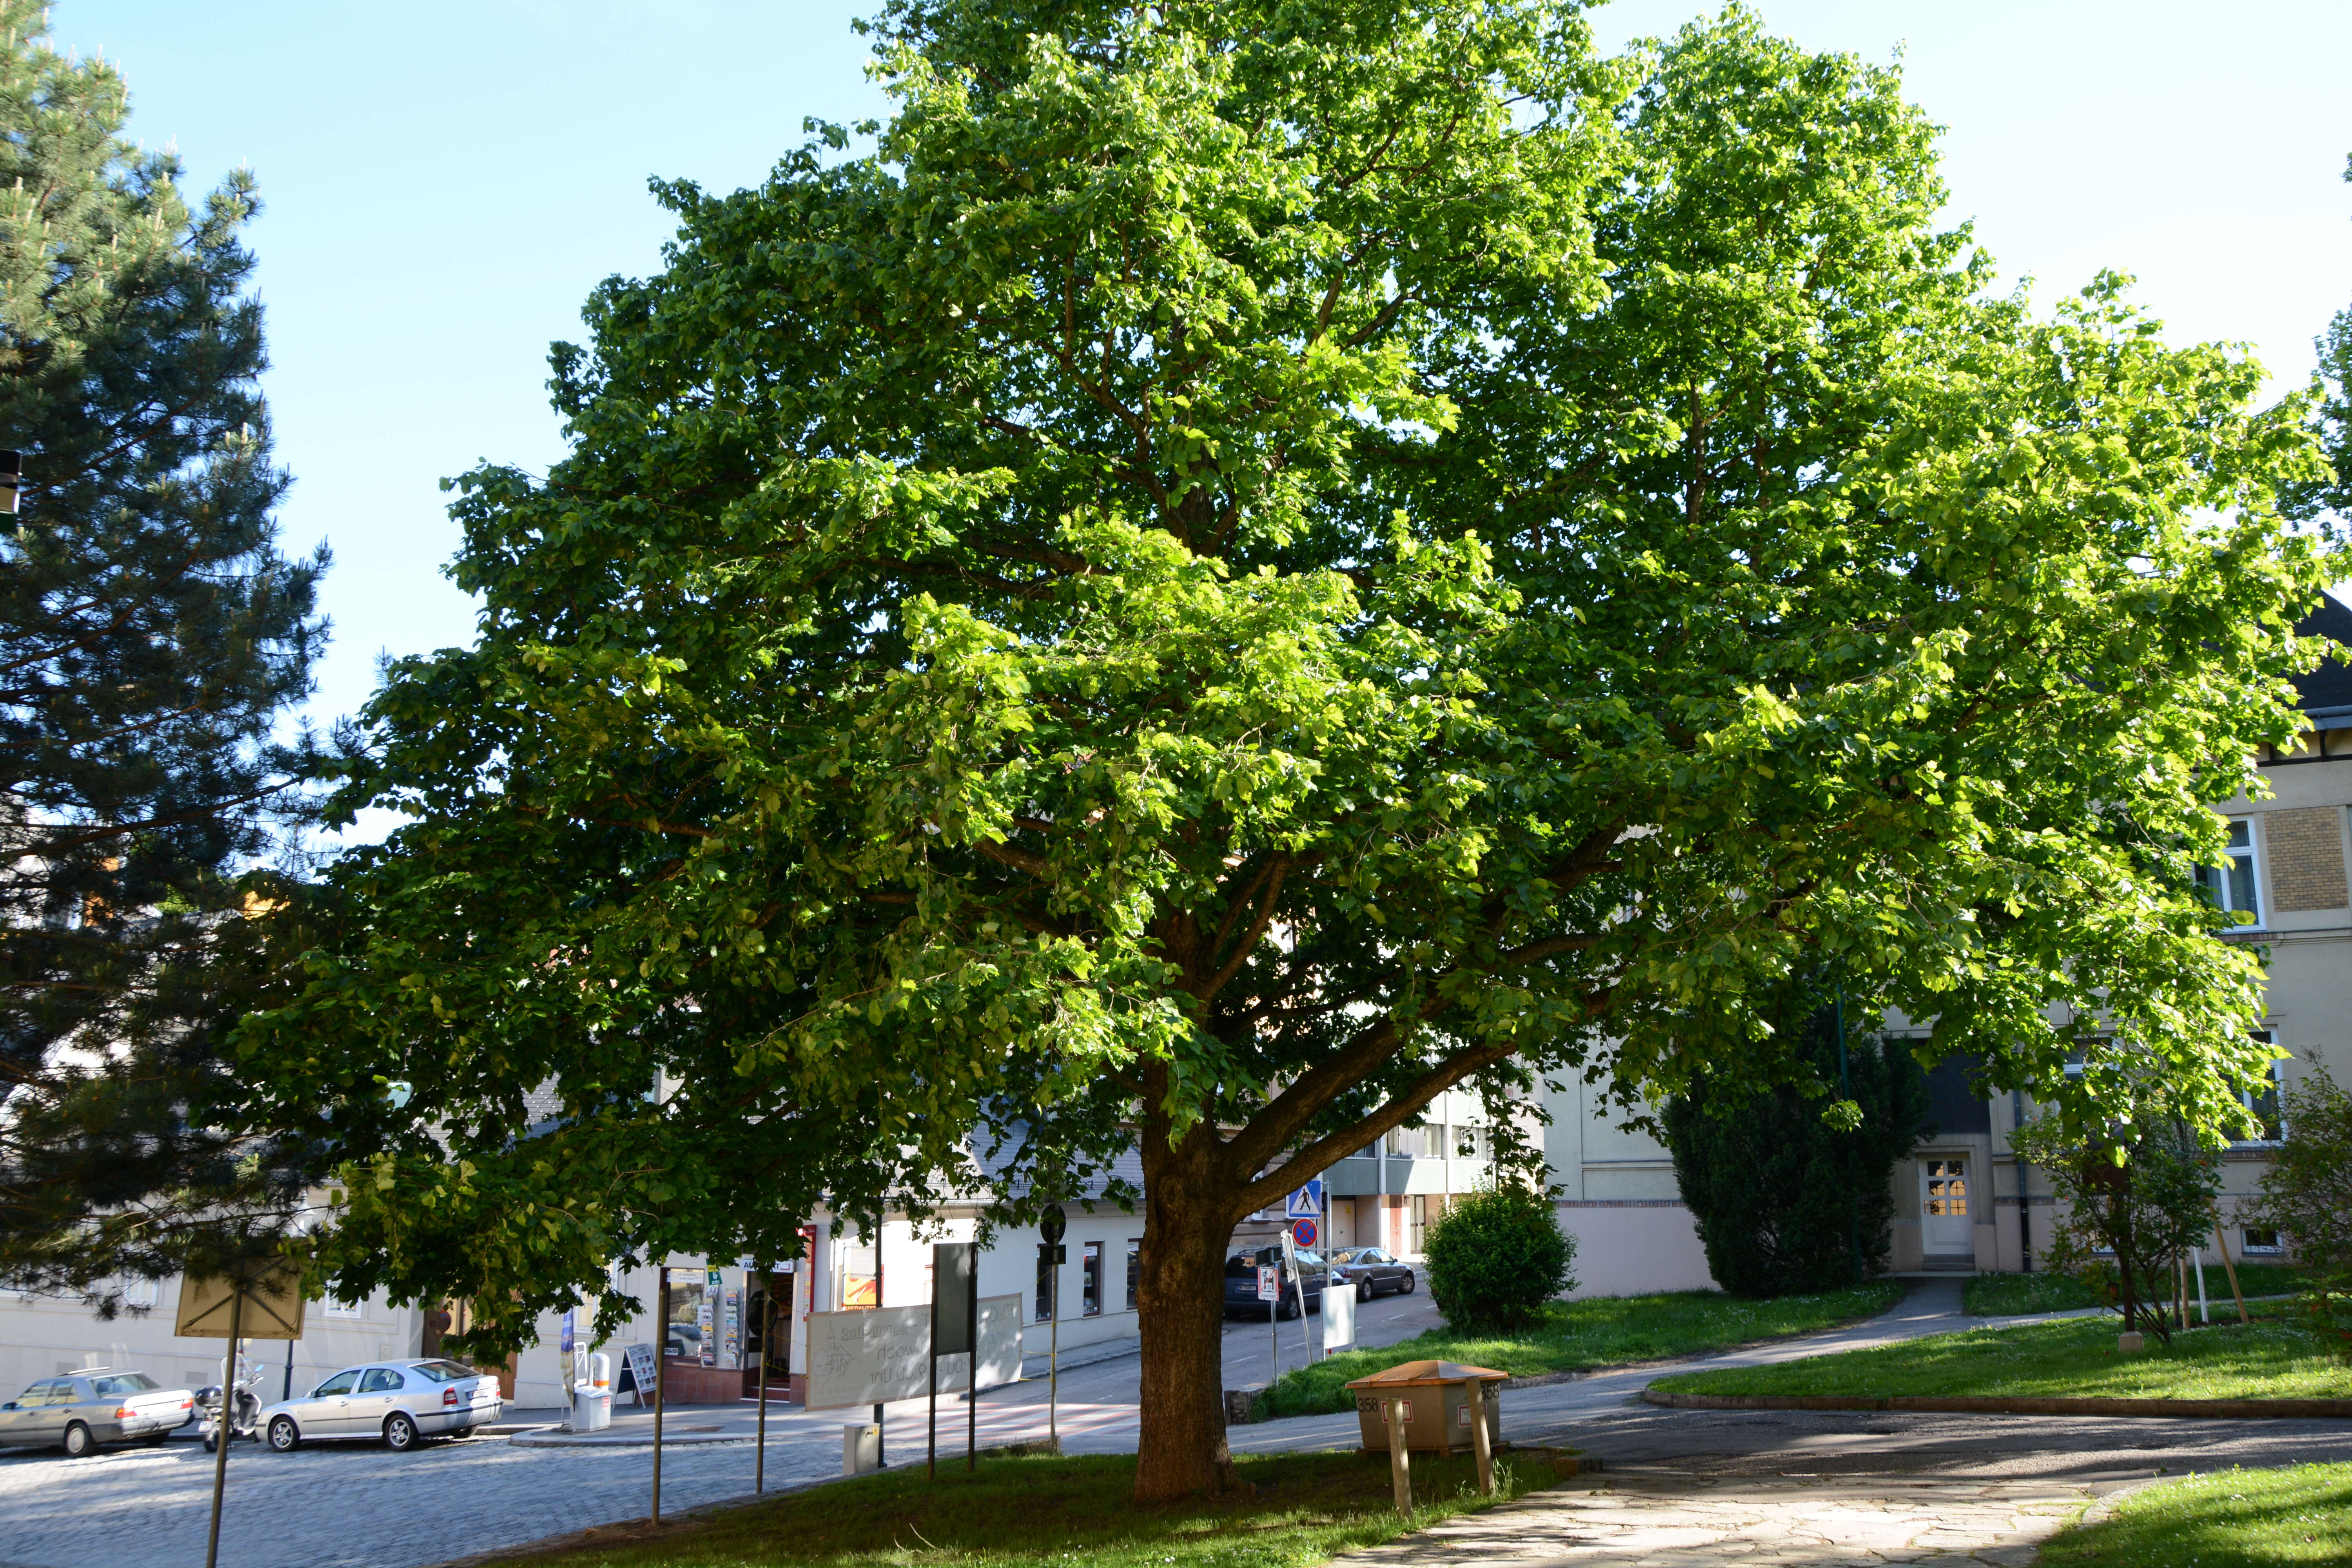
{"x":591,"y":1397}
{"x":861,"y":1449}
{"x":592,"y":1409}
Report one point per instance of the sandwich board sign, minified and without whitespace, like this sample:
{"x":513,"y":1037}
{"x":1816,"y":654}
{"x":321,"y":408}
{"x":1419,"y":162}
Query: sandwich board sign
{"x":1306,"y":1203}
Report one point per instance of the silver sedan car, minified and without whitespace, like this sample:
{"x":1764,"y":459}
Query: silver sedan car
{"x":79,"y":1411}
{"x":401,"y":1402}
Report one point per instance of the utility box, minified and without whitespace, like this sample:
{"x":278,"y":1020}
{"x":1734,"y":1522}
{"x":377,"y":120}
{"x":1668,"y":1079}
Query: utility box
{"x":861,"y":1449}
{"x":1436,"y":1395}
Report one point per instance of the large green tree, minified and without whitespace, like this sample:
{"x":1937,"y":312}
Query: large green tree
{"x":1237,"y":567}
{"x":152,"y":639}
{"x":2319,"y":495}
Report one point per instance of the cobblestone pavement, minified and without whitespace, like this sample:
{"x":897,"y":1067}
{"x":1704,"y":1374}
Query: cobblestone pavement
{"x":1668,"y":1518}
{"x":337,"y":1505}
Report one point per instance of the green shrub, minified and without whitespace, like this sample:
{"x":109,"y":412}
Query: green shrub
{"x":1497,"y":1256}
{"x":1786,"y":1200}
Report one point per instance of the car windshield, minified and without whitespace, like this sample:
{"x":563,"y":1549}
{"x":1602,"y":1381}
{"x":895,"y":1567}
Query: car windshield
{"x":442,"y":1371}
{"x":123,"y":1382}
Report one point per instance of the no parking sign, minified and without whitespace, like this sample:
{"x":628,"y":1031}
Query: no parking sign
{"x":1303,"y":1232}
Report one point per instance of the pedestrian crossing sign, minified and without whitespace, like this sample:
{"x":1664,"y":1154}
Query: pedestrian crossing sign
{"x":1306,"y":1203}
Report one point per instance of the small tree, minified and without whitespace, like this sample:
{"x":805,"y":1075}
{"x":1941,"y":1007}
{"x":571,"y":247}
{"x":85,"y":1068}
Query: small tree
{"x":2131,"y":1204}
{"x":1789,"y":1185}
{"x":2307,"y":1197}
{"x":1497,"y":1255}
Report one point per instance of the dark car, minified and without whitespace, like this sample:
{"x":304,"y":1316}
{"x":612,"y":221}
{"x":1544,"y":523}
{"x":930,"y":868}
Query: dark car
{"x":1372,"y":1271}
{"x":1241,"y":1282}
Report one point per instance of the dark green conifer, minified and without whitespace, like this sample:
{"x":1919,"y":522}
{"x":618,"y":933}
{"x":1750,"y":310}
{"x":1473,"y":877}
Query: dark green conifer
{"x":152,"y":640}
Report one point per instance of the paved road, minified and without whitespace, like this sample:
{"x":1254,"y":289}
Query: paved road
{"x":360,"y":1507}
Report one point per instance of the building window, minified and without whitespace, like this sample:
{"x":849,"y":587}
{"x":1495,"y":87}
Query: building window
{"x":1947,"y":1188}
{"x":2231,"y":885}
{"x":336,"y":1307}
{"x":1090,"y":1280}
{"x":1472,"y":1143}
{"x":1045,"y":1281}
{"x":139,"y":1292}
{"x":2259,"y":1241}
{"x":1409,"y":1144}
{"x":1134,"y":1268}
{"x":2263,"y":1102}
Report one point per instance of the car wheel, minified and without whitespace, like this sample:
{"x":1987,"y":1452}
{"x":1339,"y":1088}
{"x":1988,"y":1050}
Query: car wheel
{"x":1405,"y":1289}
{"x":284,"y":1435}
{"x":1363,"y":1290}
{"x":79,"y":1441}
{"x":400,"y":1433}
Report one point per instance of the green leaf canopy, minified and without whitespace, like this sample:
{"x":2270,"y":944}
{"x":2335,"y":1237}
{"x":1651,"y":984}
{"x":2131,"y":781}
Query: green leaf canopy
{"x":1235,"y":567}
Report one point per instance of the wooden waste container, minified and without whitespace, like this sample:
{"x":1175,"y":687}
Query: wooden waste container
{"x":1436,"y":1395}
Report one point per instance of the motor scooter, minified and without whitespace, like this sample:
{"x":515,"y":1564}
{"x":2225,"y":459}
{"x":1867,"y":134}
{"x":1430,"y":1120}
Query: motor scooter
{"x":245,"y":1413}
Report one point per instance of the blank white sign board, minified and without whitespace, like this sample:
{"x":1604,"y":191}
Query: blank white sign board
{"x":877,"y":1355}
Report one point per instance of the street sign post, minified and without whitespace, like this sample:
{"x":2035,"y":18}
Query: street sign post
{"x":1053,"y":1225}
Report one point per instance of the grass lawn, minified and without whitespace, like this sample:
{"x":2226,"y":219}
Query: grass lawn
{"x":2014,"y":1295}
{"x":2232,"y":1518}
{"x":1602,"y":1330}
{"x":2068,"y":1358}
{"x":1029,"y":1512}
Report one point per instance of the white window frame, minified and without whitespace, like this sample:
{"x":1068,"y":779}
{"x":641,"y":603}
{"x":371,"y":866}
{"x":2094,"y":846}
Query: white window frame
{"x":2247,"y":1248}
{"x":2211,"y":879}
{"x":336,"y":1307}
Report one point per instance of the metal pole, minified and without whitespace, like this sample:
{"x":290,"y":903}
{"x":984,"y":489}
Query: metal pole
{"x":287,"y":1392}
{"x":661,"y":1370}
{"x":1845,"y":1091}
{"x":971,"y":1392}
{"x":766,"y":1341}
{"x":1273,"y":1338}
{"x":1054,"y":1355}
{"x":2024,"y":1190}
{"x":2204,"y":1310}
{"x":881,"y":1433}
{"x":221,"y":1427}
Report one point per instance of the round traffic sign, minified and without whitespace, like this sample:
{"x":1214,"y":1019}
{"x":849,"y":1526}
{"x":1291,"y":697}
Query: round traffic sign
{"x":1303,"y":1232}
{"x":1052,"y":1223}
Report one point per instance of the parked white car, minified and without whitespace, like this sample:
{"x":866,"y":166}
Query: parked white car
{"x":401,"y":1403}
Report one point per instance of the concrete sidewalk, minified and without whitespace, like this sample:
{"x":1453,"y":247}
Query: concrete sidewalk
{"x":1684,"y":1518}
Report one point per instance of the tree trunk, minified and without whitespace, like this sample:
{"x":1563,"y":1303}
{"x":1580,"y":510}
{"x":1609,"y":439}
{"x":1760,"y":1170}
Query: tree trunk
{"x":1188,"y":1219}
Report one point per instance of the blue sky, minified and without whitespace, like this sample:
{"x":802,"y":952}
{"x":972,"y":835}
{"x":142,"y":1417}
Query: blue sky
{"x":445,"y":183}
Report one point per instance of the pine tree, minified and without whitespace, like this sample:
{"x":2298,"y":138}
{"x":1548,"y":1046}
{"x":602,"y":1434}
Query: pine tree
{"x":152,"y":639}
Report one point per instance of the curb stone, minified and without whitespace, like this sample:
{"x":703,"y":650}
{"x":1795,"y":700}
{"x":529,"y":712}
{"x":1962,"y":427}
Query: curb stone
{"x":1960,"y":1404}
